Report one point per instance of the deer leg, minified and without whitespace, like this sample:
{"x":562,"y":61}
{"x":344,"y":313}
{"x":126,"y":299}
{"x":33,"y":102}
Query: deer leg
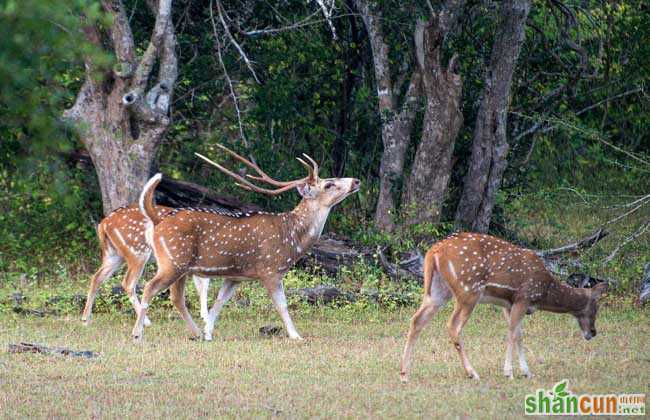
{"x":225,"y":293}
{"x":111,"y":261}
{"x":507,"y":364}
{"x":438,"y":295}
{"x":459,"y":317}
{"x":162,"y":280}
{"x":202,"y":284}
{"x":177,"y":296}
{"x":419,"y":320}
{"x":523,"y":365}
{"x":517,"y":313}
{"x":133,"y":273}
{"x":276,"y":291}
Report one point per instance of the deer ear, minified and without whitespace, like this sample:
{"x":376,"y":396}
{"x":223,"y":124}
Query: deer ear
{"x":306,"y":190}
{"x":598,"y":290}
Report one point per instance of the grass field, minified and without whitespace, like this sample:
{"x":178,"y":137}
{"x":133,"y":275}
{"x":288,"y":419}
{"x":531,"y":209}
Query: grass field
{"x":346,"y":367}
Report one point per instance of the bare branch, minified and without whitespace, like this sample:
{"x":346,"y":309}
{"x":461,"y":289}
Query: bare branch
{"x":553,"y":123}
{"x":233,"y":95}
{"x":587,"y":242}
{"x":640,"y":231}
{"x":611,"y":98}
{"x":232,"y":39}
{"x":645,"y":200}
{"x":308,"y":21}
{"x":328,"y":14}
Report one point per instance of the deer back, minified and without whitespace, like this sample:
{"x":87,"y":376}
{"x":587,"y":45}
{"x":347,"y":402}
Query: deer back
{"x":125,"y":229}
{"x":236,"y":244}
{"x":474,"y":263}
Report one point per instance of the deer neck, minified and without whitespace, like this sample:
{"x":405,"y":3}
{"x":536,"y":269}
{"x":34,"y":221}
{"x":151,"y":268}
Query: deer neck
{"x":563,"y":298}
{"x":305,"y":223}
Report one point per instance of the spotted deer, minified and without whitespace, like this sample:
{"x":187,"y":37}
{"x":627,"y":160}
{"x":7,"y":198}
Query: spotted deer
{"x":122,"y":240}
{"x":476,"y":268}
{"x":255,"y":245}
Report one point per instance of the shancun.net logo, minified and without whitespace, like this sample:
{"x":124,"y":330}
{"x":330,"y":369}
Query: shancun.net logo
{"x":561,"y":401}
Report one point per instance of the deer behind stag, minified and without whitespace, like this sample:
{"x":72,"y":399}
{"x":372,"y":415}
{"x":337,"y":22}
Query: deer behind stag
{"x":122,"y":240}
{"x":257,"y":245}
{"x":476,"y":268}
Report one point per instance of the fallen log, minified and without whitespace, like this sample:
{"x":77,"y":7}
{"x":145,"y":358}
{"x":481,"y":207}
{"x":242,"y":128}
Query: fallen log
{"x":411,"y":266}
{"x":321,"y":294}
{"x":174,"y":193}
{"x":331,"y":253}
{"x":59,"y":351}
{"x":586,"y":242}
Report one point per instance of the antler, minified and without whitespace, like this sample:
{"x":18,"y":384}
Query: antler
{"x":244,"y":183}
{"x":263,"y":175}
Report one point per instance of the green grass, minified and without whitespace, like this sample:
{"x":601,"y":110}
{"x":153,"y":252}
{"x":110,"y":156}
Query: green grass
{"x":347,"y":366}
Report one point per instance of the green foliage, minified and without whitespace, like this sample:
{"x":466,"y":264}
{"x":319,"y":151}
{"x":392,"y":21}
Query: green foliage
{"x":317,"y":95}
{"x":39,"y":50}
{"x":47,"y":228}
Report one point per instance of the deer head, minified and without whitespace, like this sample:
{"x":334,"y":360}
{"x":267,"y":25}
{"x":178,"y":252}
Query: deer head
{"x":317,"y":193}
{"x":587,"y":317}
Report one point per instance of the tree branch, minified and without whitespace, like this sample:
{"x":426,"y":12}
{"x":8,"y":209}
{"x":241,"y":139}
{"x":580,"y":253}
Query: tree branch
{"x":587,"y":242}
{"x":640,"y":231}
{"x":372,"y":21}
{"x":120,"y":31}
{"x":233,"y":95}
{"x":232,"y":39}
{"x":143,"y":71}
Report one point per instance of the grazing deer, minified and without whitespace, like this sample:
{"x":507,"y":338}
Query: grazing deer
{"x":477,"y":268}
{"x":121,"y":237}
{"x":254,"y":245}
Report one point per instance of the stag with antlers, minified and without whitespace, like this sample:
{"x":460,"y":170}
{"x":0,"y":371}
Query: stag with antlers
{"x":260,"y":245}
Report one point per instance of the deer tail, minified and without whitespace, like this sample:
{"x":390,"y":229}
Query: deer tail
{"x":430,"y":268}
{"x":146,"y":200}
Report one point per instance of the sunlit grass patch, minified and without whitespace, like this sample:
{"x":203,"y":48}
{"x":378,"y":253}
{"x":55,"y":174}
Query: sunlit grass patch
{"x":347,"y":366}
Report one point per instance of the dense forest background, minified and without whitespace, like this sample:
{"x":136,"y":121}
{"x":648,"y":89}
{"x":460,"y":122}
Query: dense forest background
{"x":527,"y":119}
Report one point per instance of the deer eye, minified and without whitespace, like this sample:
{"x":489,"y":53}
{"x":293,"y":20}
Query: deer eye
{"x":329,"y":185}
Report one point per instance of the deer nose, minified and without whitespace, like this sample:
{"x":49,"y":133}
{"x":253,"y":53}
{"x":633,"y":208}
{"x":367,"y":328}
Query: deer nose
{"x":355,"y":183}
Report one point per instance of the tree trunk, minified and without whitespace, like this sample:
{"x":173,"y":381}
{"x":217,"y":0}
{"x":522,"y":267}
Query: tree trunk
{"x":427,"y":184}
{"x":120,"y":123}
{"x":490,"y":146}
{"x":396,"y":133}
{"x":397,"y":121}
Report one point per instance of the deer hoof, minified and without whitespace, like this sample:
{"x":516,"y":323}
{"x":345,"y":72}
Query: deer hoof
{"x":207,"y":337}
{"x":528,"y":375}
{"x":473,"y":375}
{"x":508,"y":374}
{"x":404,"y":377}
